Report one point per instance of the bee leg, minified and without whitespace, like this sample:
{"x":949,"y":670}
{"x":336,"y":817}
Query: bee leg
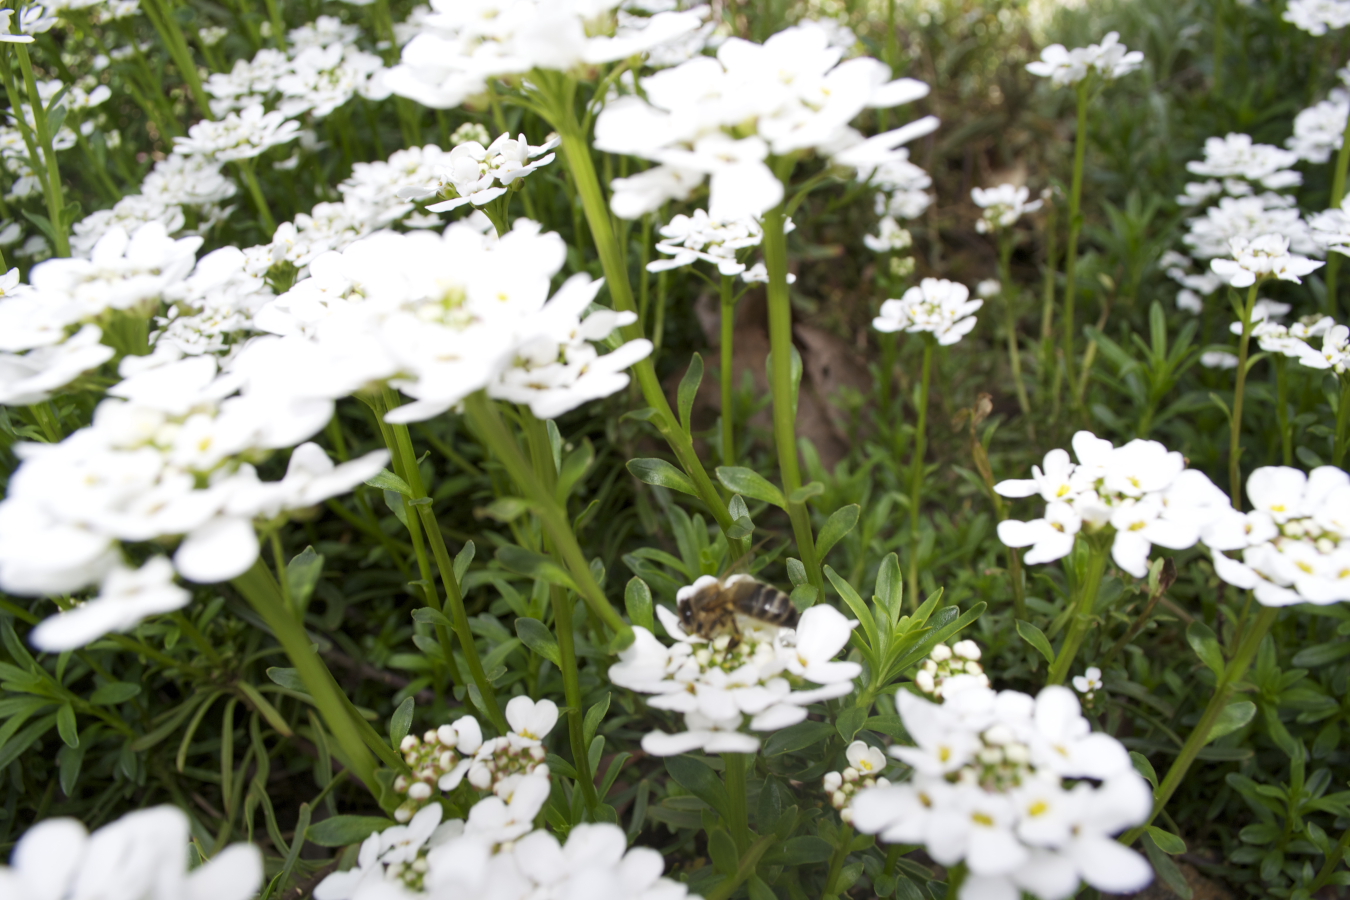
{"x":732,"y":645}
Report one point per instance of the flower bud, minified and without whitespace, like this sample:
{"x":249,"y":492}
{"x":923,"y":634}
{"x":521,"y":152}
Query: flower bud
{"x":924,"y":680}
{"x":967,"y":650}
{"x":447,"y":735}
{"x":419,"y":791}
{"x":850,"y":774}
{"x":408,"y":743}
{"x":833,"y":780}
{"x":940,"y":653}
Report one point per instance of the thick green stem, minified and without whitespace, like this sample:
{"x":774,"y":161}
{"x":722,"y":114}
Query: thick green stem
{"x":278,"y":24}
{"x":1075,"y":225}
{"x":1282,"y":409}
{"x":1005,"y":248}
{"x":1342,"y":439}
{"x":51,"y":181}
{"x":172,"y":35}
{"x":541,"y":454}
{"x":837,"y":861}
{"x":1239,"y":390}
{"x":1098,"y":553}
{"x":736,"y":766}
{"x":489,"y":425}
{"x":255,"y":191}
{"x":263,"y":594}
{"x":577,"y":152}
{"x":785,"y":393}
{"x":1199,"y":736}
{"x":728,"y":374}
{"x":916,"y":468}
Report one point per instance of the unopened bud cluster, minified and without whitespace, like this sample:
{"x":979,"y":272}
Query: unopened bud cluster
{"x":503,"y":761}
{"x":1002,"y":764}
{"x":962,"y":658}
{"x":430,"y":758}
{"x":863,"y":771}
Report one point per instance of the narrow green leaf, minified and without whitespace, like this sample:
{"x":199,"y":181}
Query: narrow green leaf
{"x":535,"y":635}
{"x":66,"y":725}
{"x":339,"y":831}
{"x":388,"y":481}
{"x":750,"y":483}
{"x":1206,"y":646}
{"x":503,"y":509}
{"x":856,"y":604}
{"x":1144,"y":767}
{"x":698,"y":778}
{"x":69,"y":761}
{"x":1167,"y":842}
{"x":662,"y":474}
{"x":594,"y":716}
{"x":462,"y":560}
{"x":723,"y":851}
{"x":890,"y":586}
{"x":805,"y":596}
{"x":428,"y":616}
{"x":796,"y":572}
{"x":535,"y":565}
{"x":806,"y":849}
{"x":287,"y":678}
{"x":302,"y":574}
{"x":850,"y":722}
{"x":837,"y":526}
{"x":400,"y":723}
{"x":1036,"y":638}
{"x":1234,"y":716}
{"x":394,"y":500}
{"x":806,"y":492}
{"x":637,"y":598}
{"x":265,"y":708}
{"x":688,"y":390}
{"x":113,"y":693}
{"x":1166,"y":869}
{"x":1321,"y":654}
{"x":797,"y":737}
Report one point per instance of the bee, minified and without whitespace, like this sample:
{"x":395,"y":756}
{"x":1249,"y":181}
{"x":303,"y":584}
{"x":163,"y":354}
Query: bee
{"x":714,"y":607}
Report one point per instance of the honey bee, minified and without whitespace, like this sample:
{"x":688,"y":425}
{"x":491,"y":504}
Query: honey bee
{"x":715,"y":606}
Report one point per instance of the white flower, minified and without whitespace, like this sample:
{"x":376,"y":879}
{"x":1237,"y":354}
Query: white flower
{"x":1050,"y":538}
{"x":477,"y":174}
{"x":143,"y":855}
{"x":1263,"y":257}
{"x":1211,"y":235}
{"x":1064,"y":67}
{"x":125,"y":598}
{"x":1238,"y":156}
{"x":890,"y":237}
{"x":1320,"y":129}
{"x":7,"y":37}
{"x":699,"y":237}
{"x":241,"y":135}
{"x":1317,"y":16}
{"x":937,"y":306}
{"x":1003,"y":206}
{"x":530,"y":719}
{"x":1089,"y":682}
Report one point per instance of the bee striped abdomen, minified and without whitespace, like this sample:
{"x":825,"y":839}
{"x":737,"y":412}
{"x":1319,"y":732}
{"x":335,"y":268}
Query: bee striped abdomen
{"x":768,"y":604}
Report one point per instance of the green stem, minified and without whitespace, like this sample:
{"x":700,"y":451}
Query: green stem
{"x":541,"y":454}
{"x":256,"y":192}
{"x":1282,"y":409}
{"x":1199,"y":736}
{"x":785,"y":393}
{"x":736,"y":766}
{"x":489,"y":425}
{"x":1334,"y":859}
{"x":1098,"y":552}
{"x":278,"y":24}
{"x":956,"y":875}
{"x":177,"y":45}
{"x":1005,"y":248}
{"x":916,"y":468}
{"x":1048,"y":298}
{"x":577,"y":152}
{"x":1239,"y":389}
{"x":1337,"y":195}
{"x":263,"y":594}
{"x":1075,"y":225}
{"x":1342,"y":423}
{"x":837,"y":861}
{"x":51,"y":184}
{"x":728,"y":374}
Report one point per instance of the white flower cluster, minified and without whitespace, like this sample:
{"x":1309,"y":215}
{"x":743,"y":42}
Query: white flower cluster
{"x":459,"y":47}
{"x":1195,"y":286}
{"x":1003,"y":206}
{"x":1295,"y":543}
{"x":943,"y":662}
{"x":239,"y":135}
{"x":935,"y":306}
{"x":443,"y":758}
{"x":496,"y":852}
{"x":1109,"y":60}
{"x":1211,"y":234}
{"x":440,"y":317}
{"x":865,"y":765}
{"x":1296,"y":340}
{"x":890,"y":237}
{"x":1019,"y":789}
{"x":903,"y":186}
{"x":1320,"y":129}
{"x":476,"y":174}
{"x":143,"y":855}
{"x":722,"y":118}
{"x":1317,"y":16}
{"x":70,"y":102}
{"x":324,"y":70}
{"x":689,"y":239}
{"x":1141,"y":493}
{"x":1260,"y":258}
{"x":716,"y":684}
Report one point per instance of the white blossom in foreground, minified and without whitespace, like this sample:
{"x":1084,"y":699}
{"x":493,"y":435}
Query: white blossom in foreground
{"x":495,"y":852}
{"x":1002,"y":205}
{"x":1109,"y":60}
{"x":688,"y":239}
{"x":722,"y":117}
{"x":1294,"y":546}
{"x":143,"y":855}
{"x":1317,"y":16}
{"x":1261,"y":258}
{"x":1020,"y":789}
{"x":938,"y":307}
{"x":241,"y":135}
{"x":865,"y":765}
{"x":717,"y":685}
{"x":476,"y":174}
{"x":1139,"y":494}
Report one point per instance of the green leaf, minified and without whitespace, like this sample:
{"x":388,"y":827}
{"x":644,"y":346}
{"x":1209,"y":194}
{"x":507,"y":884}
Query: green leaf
{"x":806,"y":492}
{"x":66,"y":725}
{"x":850,"y":721}
{"x":748,"y":482}
{"x":839,"y":524}
{"x":890,"y":586}
{"x":265,"y":708}
{"x":1206,"y":646}
{"x":688,"y":390}
{"x":637,"y":599}
{"x":797,"y":737}
{"x":503,"y":509}
{"x":662,"y":474}
{"x":1234,"y":716}
{"x":1144,"y":767}
{"x":594,"y":716}
{"x":388,"y":481}
{"x":462,"y":560}
{"x":759,"y":890}
{"x":805,"y":596}
{"x":113,"y":693}
{"x":796,"y":572}
{"x":1321,"y":654}
{"x":69,"y":761}
{"x":1167,"y":842}
{"x":573,"y":468}
{"x":339,"y":831}
{"x":394,"y":500}
{"x":535,"y":565}
{"x":806,"y":849}
{"x":428,"y":616}
{"x":721,"y":848}
{"x":287,"y":678}
{"x":1036,"y":638}
{"x":302,"y":574}
{"x":401,"y":722}
{"x":698,"y":778}
{"x":856,"y":604}
{"x":1166,"y":869}
{"x":535,"y":635}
